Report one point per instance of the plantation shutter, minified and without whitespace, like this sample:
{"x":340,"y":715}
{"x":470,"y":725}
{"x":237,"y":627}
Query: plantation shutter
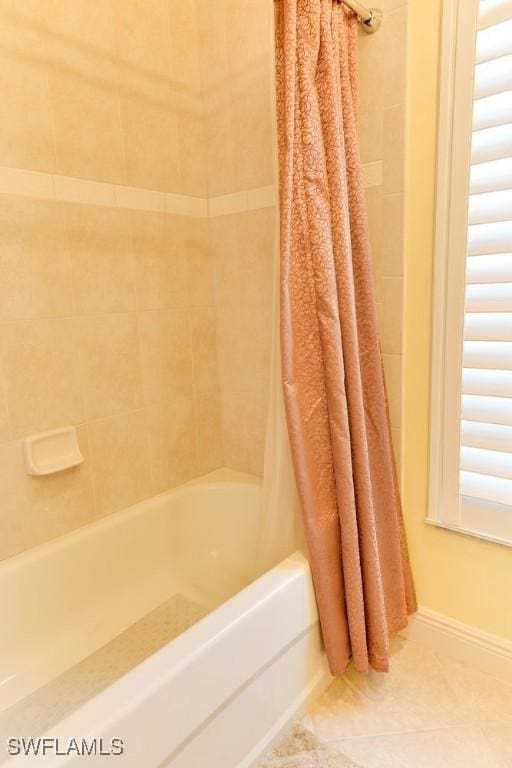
{"x":485,"y":472}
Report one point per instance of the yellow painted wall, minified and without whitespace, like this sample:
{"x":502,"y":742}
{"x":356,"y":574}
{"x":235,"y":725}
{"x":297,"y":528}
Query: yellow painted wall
{"x":462,"y":577}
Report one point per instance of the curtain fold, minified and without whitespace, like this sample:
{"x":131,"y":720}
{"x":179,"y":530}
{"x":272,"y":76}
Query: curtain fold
{"x":333,"y":381}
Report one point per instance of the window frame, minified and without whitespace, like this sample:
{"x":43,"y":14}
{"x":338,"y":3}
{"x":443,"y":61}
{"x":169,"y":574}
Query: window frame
{"x":456,"y":73}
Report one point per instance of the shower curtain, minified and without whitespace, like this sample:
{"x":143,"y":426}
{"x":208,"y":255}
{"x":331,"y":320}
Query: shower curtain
{"x":331,"y":364}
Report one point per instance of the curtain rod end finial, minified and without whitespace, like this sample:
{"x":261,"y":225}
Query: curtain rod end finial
{"x":374,"y":23}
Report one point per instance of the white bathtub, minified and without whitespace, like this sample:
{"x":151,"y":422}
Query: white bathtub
{"x":218,"y":693}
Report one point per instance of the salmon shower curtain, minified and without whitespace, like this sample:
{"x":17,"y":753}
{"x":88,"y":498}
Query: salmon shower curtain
{"x":332,"y":373}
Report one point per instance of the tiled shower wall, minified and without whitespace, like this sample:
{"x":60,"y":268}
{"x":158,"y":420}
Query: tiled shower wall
{"x":237,"y":61}
{"x":236,"y":67}
{"x":381,"y":134}
{"x":107,"y":316}
{"x":124,"y":308}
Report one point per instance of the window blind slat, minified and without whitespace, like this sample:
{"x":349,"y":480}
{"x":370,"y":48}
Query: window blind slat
{"x":476,"y":381}
{"x":488,"y":326}
{"x":491,"y":268}
{"x":490,"y":207}
{"x":488,"y":354}
{"x":489,"y":297}
{"x":492,"y":110}
{"x":493,"y":12}
{"x":493,"y":76}
{"x":494,"y":41}
{"x":491,"y":143}
{"x":495,"y":237}
{"x":492,"y":410}
{"x":493,"y":437}
{"x":496,"y":463}
{"x":488,"y":488}
{"x":488,"y":177}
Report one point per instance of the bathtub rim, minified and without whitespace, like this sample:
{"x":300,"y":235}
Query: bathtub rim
{"x":155,"y":674}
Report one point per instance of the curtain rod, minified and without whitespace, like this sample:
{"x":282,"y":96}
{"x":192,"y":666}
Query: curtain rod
{"x":369,"y":18}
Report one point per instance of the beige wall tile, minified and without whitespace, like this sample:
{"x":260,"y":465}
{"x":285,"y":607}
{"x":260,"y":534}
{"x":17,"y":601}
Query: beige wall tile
{"x":371,"y":132}
{"x":256,"y":337}
{"x":26,"y":127}
{"x":255,"y":424}
{"x":393,"y":375}
{"x":257,"y":241}
{"x":35,"y":509}
{"x":151,"y":143}
{"x":84,"y":191}
{"x":165,"y":355}
{"x":372,"y":60}
{"x":250,"y":60}
{"x":390,"y":5}
{"x":41,"y":374}
{"x":87,"y":130}
{"x":230,"y":348}
{"x":184,"y":33}
{"x":216,"y":78}
{"x":252,"y":132}
{"x":199,"y":263}
{"x":262,"y":197}
{"x":234,"y":446}
{"x":120,"y":461}
{"x":101,"y":259}
{"x":392,"y":235}
{"x":109,"y":363}
{"x":172,"y":440}
{"x":189,"y":103}
{"x":193,"y":152}
{"x":34,"y":264}
{"x":200,"y":276}
{"x":209,"y":431}
{"x":147,"y":93}
{"x":394,"y":40}
{"x":5,"y":427}
{"x":248,"y":32}
{"x":19,"y":181}
{"x":212,"y":31}
{"x":84,"y":93}
{"x":140,"y":199}
{"x":374,"y":207}
{"x":225,"y":254}
{"x":221,"y":156}
{"x":204,"y":349}
{"x":394,"y":149}
{"x":160,"y":260}
{"x":142,"y":39}
{"x":391,"y":322}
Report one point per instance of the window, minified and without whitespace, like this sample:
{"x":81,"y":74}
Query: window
{"x":471,"y":393}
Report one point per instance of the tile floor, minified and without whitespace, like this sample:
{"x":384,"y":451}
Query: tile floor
{"x":428,"y":712}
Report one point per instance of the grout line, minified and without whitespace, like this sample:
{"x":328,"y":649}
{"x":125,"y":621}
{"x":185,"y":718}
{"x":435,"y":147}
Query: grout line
{"x":385,"y":734}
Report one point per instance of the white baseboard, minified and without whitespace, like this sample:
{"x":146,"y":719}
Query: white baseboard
{"x":480,"y":650}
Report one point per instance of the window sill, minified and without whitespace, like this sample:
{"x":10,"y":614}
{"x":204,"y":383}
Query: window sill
{"x":470,"y":533}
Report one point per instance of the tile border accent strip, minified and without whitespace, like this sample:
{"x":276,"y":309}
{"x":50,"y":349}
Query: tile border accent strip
{"x":48,"y":186}
{"x":480,"y":650}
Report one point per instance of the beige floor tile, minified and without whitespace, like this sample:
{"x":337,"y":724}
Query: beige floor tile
{"x":414,"y":695}
{"x":485,"y":698}
{"x":500,"y":738}
{"x":464,"y":747}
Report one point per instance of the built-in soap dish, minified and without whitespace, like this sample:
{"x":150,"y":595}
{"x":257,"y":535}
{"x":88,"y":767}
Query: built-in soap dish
{"x":50,"y":452}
